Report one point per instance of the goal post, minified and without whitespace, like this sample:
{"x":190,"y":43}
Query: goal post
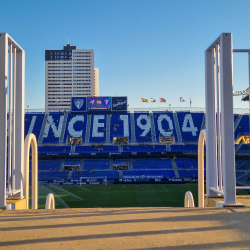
{"x":93,"y":180}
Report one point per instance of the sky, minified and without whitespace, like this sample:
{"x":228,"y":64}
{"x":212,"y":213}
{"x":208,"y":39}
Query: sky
{"x":143,"y":48}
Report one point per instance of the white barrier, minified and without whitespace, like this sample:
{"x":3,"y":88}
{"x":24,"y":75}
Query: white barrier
{"x":30,"y":140}
{"x":189,"y":199}
{"x":201,"y":143}
{"x":50,"y":201}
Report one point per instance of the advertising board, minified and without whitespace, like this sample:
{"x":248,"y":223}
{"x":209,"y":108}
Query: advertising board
{"x":99,"y":103}
{"x":119,"y":103}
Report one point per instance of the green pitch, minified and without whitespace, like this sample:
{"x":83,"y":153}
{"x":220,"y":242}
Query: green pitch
{"x":131,"y":195}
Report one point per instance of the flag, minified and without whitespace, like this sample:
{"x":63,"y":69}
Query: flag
{"x":182,"y":99}
{"x":153,"y":100}
{"x":144,"y":100}
{"x":190,"y":102}
{"x":162,"y":100}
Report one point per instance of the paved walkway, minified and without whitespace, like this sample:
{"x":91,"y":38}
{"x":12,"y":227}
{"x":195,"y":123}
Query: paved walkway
{"x":126,"y":228}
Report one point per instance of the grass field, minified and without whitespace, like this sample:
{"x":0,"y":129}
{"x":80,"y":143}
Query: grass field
{"x":131,"y":195}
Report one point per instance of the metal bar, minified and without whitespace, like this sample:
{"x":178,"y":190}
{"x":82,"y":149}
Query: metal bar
{"x":14,"y":122}
{"x":3,"y":112}
{"x":216,"y":125}
{"x":241,"y":50}
{"x":211,"y":162}
{"x":227,"y":118}
{"x":242,"y":187}
{"x":210,"y":48}
{"x":10,"y":120}
{"x":19,"y":118}
{"x":219,"y":169}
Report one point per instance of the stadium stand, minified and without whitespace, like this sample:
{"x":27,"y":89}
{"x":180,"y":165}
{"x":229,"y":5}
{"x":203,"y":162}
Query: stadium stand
{"x":49,"y":164}
{"x":96,"y":154}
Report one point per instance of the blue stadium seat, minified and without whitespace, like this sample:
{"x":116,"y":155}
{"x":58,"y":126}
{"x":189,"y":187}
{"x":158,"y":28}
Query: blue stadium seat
{"x":152,"y":164}
{"x":96,"y":164}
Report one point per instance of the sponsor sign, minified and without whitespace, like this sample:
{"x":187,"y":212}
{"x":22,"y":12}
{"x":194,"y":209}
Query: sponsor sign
{"x":99,"y":103}
{"x":175,"y":179}
{"x":73,"y":153}
{"x":119,"y":103}
{"x":154,"y":176}
{"x":78,"y":104}
{"x":127,"y":180}
{"x":131,"y":177}
{"x":157,"y":180}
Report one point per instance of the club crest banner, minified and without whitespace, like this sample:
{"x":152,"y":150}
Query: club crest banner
{"x":79,"y":104}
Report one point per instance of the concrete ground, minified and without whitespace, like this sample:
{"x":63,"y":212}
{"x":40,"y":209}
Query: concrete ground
{"x":126,"y":228}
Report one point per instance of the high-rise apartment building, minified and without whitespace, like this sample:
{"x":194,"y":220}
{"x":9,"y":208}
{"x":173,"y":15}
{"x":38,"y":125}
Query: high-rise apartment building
{"x":69,"y":72}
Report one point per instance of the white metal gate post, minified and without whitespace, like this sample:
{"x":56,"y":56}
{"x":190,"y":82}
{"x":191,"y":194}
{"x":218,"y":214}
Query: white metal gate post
{"x":13,"y":72}
{"x":211,"y":145}
{"x":3,"y":117}
{"x":220,"y":151}
{"x":19,"y":119}
{"x":227,"y":118}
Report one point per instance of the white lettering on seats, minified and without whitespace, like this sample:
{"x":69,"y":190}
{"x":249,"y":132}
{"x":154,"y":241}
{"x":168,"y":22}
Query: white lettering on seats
{"x":146,"y":127}
{"x":170,"y":124}
{"x":71,"y":129}
{"x":97,"y":125}
{"x":124,"y":118}
{"x":50,"y":123}
{"x":192,"y":128}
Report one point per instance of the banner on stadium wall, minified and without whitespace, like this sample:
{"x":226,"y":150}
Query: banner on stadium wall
{"x":100,"y":103}
{"x":78,"y":104}
{"x":142,"y":177}
{"x":119,"y":103}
